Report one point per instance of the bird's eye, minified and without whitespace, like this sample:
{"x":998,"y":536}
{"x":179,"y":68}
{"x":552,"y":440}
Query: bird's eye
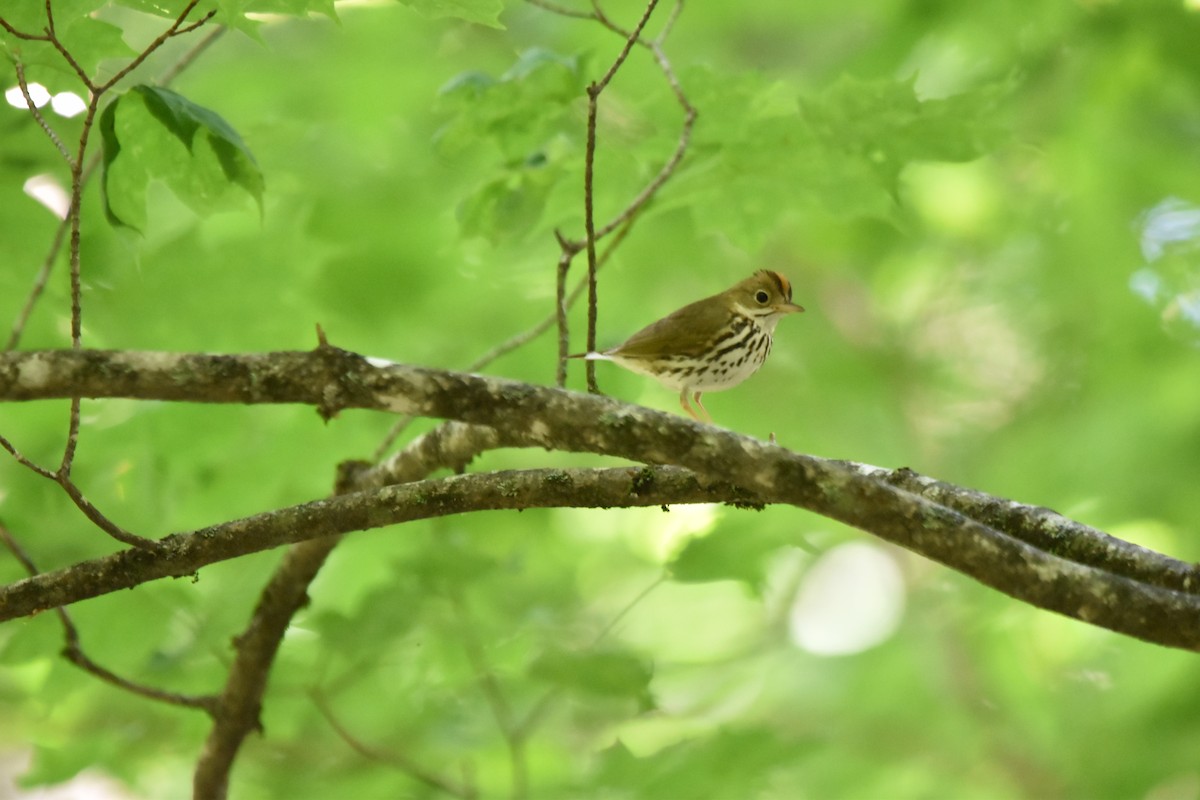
{"x":762,"y":297}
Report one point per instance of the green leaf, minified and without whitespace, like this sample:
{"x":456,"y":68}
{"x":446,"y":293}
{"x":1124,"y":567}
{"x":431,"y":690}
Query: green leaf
{"x":482,"y":12}
{"x":610,"y":673}
{"x":150,"y":133}
{"x":840,"y":150}
{"x":32,"y":639}
{"x":232,"y":13}
{"x":725,"y":764}
{"x":529,"y":114}
{"x":89,"y":40}
{"x":883,"y":124}
{"x":520,"y":112}
{"x":731,"y":552}
{"x":509,"y":206}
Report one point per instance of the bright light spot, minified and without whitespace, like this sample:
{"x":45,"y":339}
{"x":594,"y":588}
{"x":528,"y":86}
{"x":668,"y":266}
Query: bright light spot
{"x":1169,"y":222}
{"x":37,"y":93}
{"x":672,"y":530}
{"x":68,"y":104}
{"x":850,"y":600}
{"x":47,"y":191}
{"x":1170,"y":280}
{"x":957,"y":198}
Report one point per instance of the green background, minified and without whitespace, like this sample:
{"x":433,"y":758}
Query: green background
{"x":989,"y":211}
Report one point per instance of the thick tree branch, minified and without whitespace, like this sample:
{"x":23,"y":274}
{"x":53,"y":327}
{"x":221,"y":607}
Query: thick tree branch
{"x":555,"y":419}
{"x":184,"y":554}
{"x":451,"y":444}
{"x":73,"y":649}
{"x":239,"y":705}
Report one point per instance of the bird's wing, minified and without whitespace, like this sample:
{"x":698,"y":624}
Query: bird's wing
{"x":687,"y":332}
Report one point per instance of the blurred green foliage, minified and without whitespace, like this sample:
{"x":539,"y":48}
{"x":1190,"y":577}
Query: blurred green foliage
{"x":989,"y":211}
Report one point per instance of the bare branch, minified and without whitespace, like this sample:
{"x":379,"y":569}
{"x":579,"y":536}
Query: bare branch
{"x":630,"y":40}
{"x":626,"y":216}
{"x":84,"y":505}
{"x":29,"y":37}
{"x":240,"y":703}
{"x":553,"y":418}
{"x":322,"y":521}
{"x":177,"y":28}
{"x":25,"y":462}
{"x":98,"y":519}
{"x":36,"y":113}
{"x":187,"y":59}
{"x":74,"y":652}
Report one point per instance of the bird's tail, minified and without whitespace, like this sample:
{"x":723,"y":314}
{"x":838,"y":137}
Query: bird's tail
{"x":590,"y":356}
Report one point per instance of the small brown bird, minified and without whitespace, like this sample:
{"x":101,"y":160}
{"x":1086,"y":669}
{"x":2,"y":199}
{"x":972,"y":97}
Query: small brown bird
{"x":712,"y":344}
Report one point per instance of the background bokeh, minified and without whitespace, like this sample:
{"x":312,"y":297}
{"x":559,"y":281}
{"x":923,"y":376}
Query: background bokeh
{"x":991,"y":212}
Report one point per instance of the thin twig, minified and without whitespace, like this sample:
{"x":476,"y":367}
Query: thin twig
{"x":560,"y":309}
{"x":669,"y":25}
{"x":630,"y":40}
{"x":589,"y":164}
{"x":391,"y":758}
{"x":52,"y":38}
{"x":80,"y":175}
{"x":589,"y":221}
{"x":99,"y":520}
{"x":562,"y":11}
{"x":25,"y":462}
{"x":63,"y":474}
{"x":186,"y":60}
{"x":84,"y":505}
{"x":74,"y":653}
{"x":36,"y":113}
{"x":29,"y":37}
{"x":547,"y":322}
{"x":592,"y":234}
{"x":177,"y":28}
{"x":43,"y":276}
{"x":518,"y":340}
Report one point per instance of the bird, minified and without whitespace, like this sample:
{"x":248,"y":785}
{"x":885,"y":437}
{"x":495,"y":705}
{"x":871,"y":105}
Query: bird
{"x":711,"y":344}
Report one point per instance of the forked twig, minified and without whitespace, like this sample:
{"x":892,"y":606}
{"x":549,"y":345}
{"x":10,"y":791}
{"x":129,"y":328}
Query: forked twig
{"x":80,"y":173}
{"x":73,"y":651}
{"x":569,"y":248}
{"x":561,"y":306}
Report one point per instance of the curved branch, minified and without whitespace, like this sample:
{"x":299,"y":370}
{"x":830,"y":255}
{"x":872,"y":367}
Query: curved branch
{"x":324,"y":520}
{"x":239,"y":705}
{"x":535,"y":416}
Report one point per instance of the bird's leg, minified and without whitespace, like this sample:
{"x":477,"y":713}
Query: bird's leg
{"x":683,"y":401}
{"x":707,"y":417}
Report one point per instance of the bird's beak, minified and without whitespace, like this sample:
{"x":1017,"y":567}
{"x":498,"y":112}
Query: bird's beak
{"x":788,"y":308}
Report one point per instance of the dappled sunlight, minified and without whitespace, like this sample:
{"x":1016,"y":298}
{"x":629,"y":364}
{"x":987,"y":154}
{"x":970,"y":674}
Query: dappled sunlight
{"x":65,"y":104}
{"x":47,"y":190}
{"x":1170,"y":280}
{"x":37,"y":93}
{"x":850,"y":600}
{"x":651,"y":533}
